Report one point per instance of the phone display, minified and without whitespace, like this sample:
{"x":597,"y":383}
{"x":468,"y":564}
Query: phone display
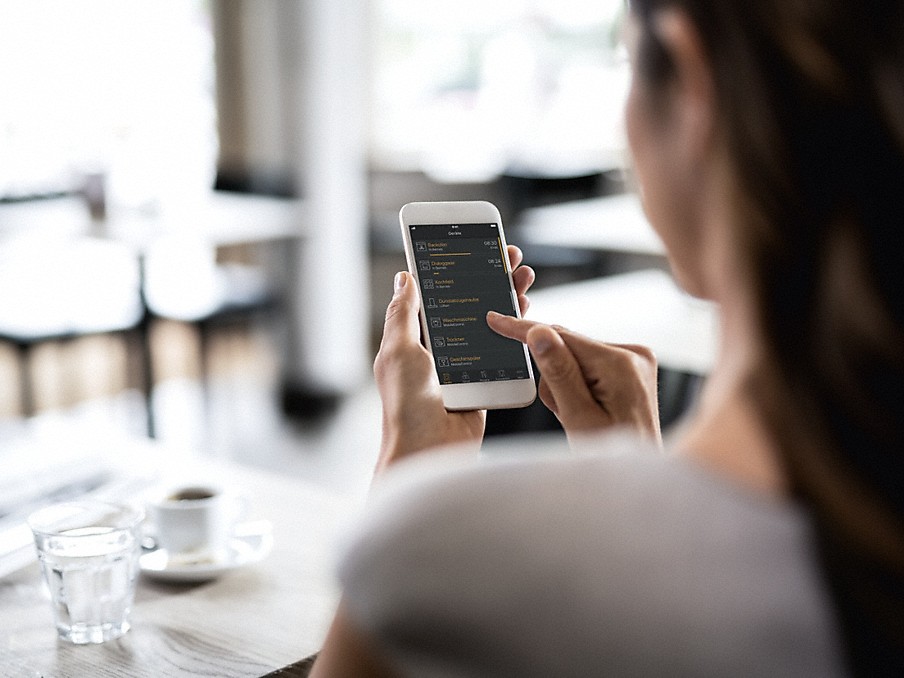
{"x":462,"y":271}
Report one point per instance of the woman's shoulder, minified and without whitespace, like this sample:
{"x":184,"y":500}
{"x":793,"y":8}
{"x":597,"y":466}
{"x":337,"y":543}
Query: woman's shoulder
{"x":615,"y":546}
{"x":519,"y":481}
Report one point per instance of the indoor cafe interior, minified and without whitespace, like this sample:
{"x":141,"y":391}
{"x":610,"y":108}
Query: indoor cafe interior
{"x":198,"y":236}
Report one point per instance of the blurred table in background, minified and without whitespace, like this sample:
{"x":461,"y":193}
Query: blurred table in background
{"x":641,"y":307}
{"x":216,"y":258}
{"x":609,"y":224}
{"x":219,"y":218}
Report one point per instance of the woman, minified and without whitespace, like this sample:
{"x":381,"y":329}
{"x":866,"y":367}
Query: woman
{"x":768,"y":144}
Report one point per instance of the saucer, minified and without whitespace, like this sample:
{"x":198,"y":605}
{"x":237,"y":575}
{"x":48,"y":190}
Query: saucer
{"x":250,"y":543}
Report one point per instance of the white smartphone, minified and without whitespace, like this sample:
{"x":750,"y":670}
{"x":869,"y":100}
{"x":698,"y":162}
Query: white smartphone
{"x":456,"y":252}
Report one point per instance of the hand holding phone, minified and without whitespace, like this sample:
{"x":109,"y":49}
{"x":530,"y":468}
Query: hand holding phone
{"x":457,"y":255}
{"x":414,"y":415}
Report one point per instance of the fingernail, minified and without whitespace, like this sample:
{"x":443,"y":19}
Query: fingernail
{"x":398,"y":282}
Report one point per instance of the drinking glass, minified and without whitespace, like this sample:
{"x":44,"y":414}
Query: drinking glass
{"x":89,"y":552}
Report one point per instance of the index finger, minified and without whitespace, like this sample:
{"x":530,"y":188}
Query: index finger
{"x":515,"y":255}
{"x":578,"y":341}
{"x":511,"y":327}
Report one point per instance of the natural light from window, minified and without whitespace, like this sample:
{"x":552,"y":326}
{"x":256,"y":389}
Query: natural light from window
{"x":470,"y":89}
{"x":120,"y":88}
{"x":463,"y":91}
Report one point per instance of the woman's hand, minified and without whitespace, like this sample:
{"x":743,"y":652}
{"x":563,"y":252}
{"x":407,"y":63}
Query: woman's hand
{"x":414,"y":418}
{"x":587,"y":384}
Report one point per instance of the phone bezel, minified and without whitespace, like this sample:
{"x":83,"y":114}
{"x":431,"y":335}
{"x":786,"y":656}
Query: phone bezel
{"x":477,"y":395}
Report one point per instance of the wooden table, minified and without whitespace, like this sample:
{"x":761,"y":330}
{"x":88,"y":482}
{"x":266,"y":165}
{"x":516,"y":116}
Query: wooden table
{"x":249,"y":622}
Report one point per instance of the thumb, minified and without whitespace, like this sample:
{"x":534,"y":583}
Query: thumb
{"x":560,"y":373}
{"x":401,"y":324}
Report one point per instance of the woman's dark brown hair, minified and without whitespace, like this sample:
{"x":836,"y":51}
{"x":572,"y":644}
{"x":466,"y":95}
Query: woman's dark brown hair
{"x":810,"y":97}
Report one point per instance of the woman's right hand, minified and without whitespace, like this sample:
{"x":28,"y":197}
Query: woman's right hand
{"x":414,"y":416}
{"x":589,"y":385}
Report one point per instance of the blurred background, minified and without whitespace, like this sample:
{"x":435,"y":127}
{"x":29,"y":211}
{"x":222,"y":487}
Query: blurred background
{"x":199,"y":199}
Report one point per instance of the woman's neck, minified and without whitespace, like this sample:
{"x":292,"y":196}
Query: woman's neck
{"x":725,"y":432}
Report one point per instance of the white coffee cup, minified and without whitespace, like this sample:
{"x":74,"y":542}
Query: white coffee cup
{"x":195,"y":519}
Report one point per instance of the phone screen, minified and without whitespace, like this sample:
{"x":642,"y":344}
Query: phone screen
{"x":463,"y":273}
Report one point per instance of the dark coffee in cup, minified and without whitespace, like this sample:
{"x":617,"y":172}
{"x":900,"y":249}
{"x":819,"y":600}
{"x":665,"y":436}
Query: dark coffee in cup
{"x":192,"y":494}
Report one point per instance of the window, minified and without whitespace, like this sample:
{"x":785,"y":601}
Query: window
{"x":470,"y":89}
{"x":124,"y":88}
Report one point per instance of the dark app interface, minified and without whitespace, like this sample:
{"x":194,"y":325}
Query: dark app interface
{"x":463,"y":274}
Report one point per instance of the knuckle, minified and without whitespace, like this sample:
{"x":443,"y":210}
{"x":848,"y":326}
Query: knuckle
{"x":638,"y":360}
{"x":379,"y":360}
{"x":637,"y":363}
{"x":646,"y":354}
{"x":379,"y":366}
{"x":388,"y":357}
{"x":396,"y":307}
{"x":643,"y":354}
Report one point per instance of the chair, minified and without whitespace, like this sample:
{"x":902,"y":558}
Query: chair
{"x":182,"y":281}
{"x":60,"y":290}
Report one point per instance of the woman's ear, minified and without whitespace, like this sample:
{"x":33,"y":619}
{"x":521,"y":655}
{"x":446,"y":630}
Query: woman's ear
{"x":691,"y":87}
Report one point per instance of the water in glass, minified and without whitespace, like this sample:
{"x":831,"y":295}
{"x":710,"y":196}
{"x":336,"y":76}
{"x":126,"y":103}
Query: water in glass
{"x":90,"y":571}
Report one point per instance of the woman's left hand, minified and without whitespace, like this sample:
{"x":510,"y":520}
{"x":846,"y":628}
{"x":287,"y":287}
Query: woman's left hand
{"x":414,"y":417}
